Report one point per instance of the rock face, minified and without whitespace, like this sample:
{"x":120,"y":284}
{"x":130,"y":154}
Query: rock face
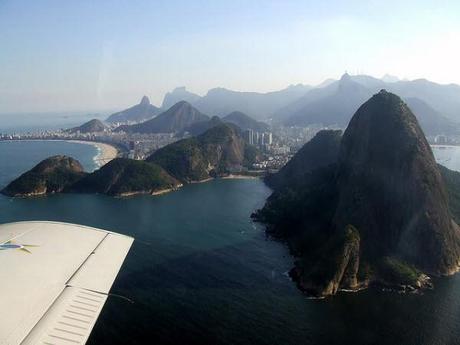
{"x":91,"y":126}
{"x":123,"y":176}
{"x":378,"y":215}
{"x":219,"y":150}
{"x":175,"y":119}
{"x":140,"y":112}
{"x":337,"y":269}
{"x":321,"y":151}
{"x":52,"y":175}
{"x":392,"y":190}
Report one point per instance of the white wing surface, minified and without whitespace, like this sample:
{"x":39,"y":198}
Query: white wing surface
{"x":54,"y":280}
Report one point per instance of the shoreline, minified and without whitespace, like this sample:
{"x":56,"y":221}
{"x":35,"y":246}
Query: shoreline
{"x":239,"y":177}
{"x":105,"y":152}
{"x":153,"y":193}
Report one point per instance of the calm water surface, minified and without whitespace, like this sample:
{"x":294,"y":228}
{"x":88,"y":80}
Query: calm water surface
{"x":201,"y":272}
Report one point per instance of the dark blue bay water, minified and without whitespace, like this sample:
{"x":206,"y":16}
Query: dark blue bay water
{"x":16,"y":157}
{"x":201,"y":272}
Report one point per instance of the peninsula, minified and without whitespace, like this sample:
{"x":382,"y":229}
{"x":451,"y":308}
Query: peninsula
{"x":218,"y":152}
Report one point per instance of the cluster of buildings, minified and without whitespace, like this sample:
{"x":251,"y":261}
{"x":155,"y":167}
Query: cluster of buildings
{"x":295,"y":137}
{"x":266,"y":142}
{"x":277,"y":146}
{"x":272,"y":163}
{"x":259,"y":139}
{"x":136,"y":146}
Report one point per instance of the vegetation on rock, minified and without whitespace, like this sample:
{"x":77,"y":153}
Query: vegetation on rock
{"x":385,"y":189}
{"x":51,"y":175}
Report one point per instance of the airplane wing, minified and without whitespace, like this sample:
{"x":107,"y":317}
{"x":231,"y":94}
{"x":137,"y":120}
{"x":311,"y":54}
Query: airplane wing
{"x":54,"y":280}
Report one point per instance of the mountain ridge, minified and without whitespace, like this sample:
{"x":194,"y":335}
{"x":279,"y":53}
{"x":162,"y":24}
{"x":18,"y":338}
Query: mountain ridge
{"x":177,"y":118}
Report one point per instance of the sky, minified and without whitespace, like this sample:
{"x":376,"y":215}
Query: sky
{"x":101,"y":55}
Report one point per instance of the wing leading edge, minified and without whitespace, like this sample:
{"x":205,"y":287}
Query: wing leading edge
{"x":54,"y":291}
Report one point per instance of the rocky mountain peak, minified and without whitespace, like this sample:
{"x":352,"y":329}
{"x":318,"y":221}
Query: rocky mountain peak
{"x":391,"y":190}
{"x":378,"y":212}
{"x":145,"y":101}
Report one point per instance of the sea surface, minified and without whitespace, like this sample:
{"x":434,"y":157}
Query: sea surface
{"x":200,"y":272}
{"x":17,"y":157}
{"x":36,"y":122}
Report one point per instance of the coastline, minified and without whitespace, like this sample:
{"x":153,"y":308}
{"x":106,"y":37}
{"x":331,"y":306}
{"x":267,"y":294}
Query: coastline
{"x":239,"y":177}
{"x":105,"y":152}
{"x":153,"y":193}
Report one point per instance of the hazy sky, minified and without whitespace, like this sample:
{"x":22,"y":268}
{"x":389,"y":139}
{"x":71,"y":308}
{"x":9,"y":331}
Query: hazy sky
{"x":90,"y":55}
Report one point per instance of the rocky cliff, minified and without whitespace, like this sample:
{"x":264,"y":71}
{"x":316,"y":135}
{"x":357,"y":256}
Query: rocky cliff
{"x":321,"y":151}
{"x":378,"y":215}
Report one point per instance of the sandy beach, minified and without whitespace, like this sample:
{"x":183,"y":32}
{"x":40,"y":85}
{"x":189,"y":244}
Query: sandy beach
{"x":105,"y":153}
{"x":239,"y":177}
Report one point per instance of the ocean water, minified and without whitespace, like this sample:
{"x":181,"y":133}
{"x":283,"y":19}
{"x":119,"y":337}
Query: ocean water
{"x":25,"y":122}
{"x":449,"y":156}
{"x":16,"y":157}
{"x":200,"y":272}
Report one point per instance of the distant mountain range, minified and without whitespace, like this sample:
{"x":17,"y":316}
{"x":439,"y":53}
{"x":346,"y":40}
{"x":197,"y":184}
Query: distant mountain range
{"x":335,"y":103}
{"x":140,"y":112}
{"x":221,"y":101}
{"x":331,"y":103}
{"x":182,"y":117}
{"x":176,"y":119}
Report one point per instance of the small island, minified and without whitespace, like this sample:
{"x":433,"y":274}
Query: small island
{"x":52,"y":175}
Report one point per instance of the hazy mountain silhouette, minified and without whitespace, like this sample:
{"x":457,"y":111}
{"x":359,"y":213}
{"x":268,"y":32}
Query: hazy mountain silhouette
{"x":91,"y":126}
{"x":140,"y":112}
{"x":335,"y":108}
{"x":177,"y":95}
{"x":431,"y":121}
{"x":335,"y":103}
{"x":220,"y":101}
{"x":177,"y":118}
{"x":245,"y":122}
